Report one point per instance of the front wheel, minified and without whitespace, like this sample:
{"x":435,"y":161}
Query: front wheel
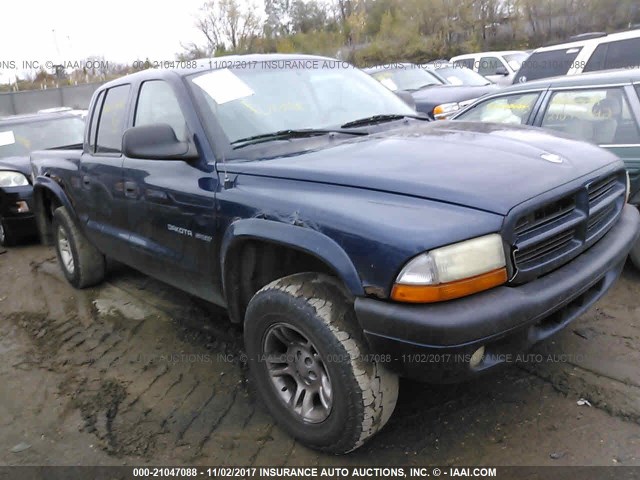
{"x":7,"y":238}
{"x":310,"y":365}
{"x":82,"y":264}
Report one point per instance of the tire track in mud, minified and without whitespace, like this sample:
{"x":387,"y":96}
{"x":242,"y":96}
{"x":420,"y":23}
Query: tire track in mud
{"x":134,"y":380}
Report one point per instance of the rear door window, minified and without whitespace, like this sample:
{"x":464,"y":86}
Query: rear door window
{"x":510,"y":109}
{"x":551,"y":63}
{"x":610,"y":55}
{"x":94,"y":122}
{"x":601,"y":116}
{"x":112,"y":120}
{"x":623,"y":54}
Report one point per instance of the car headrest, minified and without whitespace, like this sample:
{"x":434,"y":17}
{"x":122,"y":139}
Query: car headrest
{"x":607,"y":108}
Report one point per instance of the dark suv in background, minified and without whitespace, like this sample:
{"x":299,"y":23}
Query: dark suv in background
{"x":433,"y":94}
{"x":19,"y":136}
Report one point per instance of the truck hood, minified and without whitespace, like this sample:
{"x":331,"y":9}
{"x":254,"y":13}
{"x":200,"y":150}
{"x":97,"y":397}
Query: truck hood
{"x":20,"y":164}
{"x":490,"y":167}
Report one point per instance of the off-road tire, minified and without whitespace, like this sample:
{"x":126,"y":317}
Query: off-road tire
{"x":364,"y":392}
{"x":88,"y":263}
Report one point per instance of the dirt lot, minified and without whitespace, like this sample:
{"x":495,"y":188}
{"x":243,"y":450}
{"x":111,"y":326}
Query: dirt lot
{"x":136,"y":372}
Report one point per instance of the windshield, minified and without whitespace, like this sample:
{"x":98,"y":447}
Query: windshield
{"x":410,"y":78}
{"x":20,"y":139}
{"x":249,"y":102}
{"x":458,"y":75}
{"x":515,"y":60}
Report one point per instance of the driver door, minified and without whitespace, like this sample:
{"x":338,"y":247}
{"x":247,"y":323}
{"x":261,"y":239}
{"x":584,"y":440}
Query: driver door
{"x":171,"y":203}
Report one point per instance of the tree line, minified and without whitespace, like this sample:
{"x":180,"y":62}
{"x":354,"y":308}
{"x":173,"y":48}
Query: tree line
{"x":378,"y":31}
{"x":368,"y":32}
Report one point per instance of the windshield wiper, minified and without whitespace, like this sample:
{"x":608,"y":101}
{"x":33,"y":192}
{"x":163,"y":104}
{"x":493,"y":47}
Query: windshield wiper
{"x":421,"y":87}
{"x":380,"y":119}
{"x":287,"y":134}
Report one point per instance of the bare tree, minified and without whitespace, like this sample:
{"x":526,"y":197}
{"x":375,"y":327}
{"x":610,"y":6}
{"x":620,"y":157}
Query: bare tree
{"x":224,"y":23}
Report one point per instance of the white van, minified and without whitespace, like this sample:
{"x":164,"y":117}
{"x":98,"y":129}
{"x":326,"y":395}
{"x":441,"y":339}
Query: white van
{"x":499,"y":67}
{"x":606,"y":52}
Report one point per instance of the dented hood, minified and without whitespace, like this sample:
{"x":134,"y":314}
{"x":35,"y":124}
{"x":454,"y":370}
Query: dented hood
{"x":486,"y":166}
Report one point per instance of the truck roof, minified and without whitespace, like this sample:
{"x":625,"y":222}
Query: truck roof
{"x":214,"y":63}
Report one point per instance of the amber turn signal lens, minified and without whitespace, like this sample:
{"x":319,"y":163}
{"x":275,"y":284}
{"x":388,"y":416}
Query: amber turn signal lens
{"x":448,"y":291}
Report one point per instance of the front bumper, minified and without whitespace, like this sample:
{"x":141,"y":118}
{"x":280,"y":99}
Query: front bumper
{"x":20,"y":225}
{"x":435,"y":342}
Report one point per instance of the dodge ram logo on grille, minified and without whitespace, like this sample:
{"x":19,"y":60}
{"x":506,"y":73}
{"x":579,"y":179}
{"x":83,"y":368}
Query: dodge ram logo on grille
{"x":551,"y":157}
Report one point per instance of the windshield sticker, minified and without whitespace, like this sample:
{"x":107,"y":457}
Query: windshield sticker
{"x":7,"y":138}
{"x":223,"y":86}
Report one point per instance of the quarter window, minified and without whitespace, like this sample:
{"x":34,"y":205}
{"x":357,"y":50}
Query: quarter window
{"x":157,"y":103}
{"x":510,"y":109}
{"x":112,"y":120}
{"x":600,"y":116}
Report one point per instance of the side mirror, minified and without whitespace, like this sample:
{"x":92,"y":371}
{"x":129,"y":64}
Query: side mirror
{"x":156,"y":142}
{"x":407,"y":98}
{"x":501,"y":70}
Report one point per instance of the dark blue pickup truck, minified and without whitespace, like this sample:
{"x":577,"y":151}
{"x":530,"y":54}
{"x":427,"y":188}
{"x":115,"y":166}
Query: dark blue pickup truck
{"x":354,"y":240}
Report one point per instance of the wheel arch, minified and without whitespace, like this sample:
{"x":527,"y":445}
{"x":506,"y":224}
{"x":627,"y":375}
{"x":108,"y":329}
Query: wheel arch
{"x":47,"y":196}
{"x":289,"y":249}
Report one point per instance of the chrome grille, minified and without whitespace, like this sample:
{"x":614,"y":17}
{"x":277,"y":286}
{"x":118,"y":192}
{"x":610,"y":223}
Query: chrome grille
{"x":546,"y":236}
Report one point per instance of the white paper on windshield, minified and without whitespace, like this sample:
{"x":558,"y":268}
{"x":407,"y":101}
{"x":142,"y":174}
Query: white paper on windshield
{"x":223,"y":86}
{"x":390,"y":84}
{"x":7,"y":138}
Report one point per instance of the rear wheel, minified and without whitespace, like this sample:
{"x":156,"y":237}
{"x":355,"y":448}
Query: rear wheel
{"x":82,"y":264}
{"x":309,"y":363}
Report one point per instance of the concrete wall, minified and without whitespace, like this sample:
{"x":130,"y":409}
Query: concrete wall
{"x":30,"y":101}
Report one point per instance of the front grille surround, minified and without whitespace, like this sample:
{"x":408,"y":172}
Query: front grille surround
{"x":545,"y":234}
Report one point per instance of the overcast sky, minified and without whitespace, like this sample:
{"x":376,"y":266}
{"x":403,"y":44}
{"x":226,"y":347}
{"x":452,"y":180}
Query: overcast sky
{"x":119,"y":30}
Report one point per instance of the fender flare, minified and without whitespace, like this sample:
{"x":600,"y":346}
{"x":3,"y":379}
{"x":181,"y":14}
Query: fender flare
{"x":304,"y":239}
{"x":46,"y":183}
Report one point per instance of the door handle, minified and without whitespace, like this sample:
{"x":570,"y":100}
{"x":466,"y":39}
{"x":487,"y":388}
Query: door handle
{"x":130,"y":189}
{"x":86,"y":180}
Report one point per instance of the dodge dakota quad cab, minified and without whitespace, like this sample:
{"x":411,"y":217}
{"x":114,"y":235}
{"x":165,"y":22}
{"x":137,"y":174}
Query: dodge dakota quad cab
{"x":354,"y":240}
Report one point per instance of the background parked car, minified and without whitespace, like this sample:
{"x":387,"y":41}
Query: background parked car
{"x":431,"y":92}
{"x":596,"y":52}
{"x":456,"y":74}
{"x":601,"y":108}
{"x":19,"y":136}
{"x":499,"y":67}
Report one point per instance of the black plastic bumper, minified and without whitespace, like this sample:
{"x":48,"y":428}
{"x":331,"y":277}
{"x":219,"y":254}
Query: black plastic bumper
{"x":435,"y":342}
{"x":20,"y":224}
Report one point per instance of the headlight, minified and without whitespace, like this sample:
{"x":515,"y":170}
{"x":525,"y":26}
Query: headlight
{"x":626,"y":198}
{"x":444,"y":110}
{"x":453,"y":271}
{"x":12,"y":179}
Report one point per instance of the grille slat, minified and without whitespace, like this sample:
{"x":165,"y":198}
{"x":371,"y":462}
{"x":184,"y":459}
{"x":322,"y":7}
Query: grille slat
{"x":544,"y":248}
{"x":601,"y":188}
